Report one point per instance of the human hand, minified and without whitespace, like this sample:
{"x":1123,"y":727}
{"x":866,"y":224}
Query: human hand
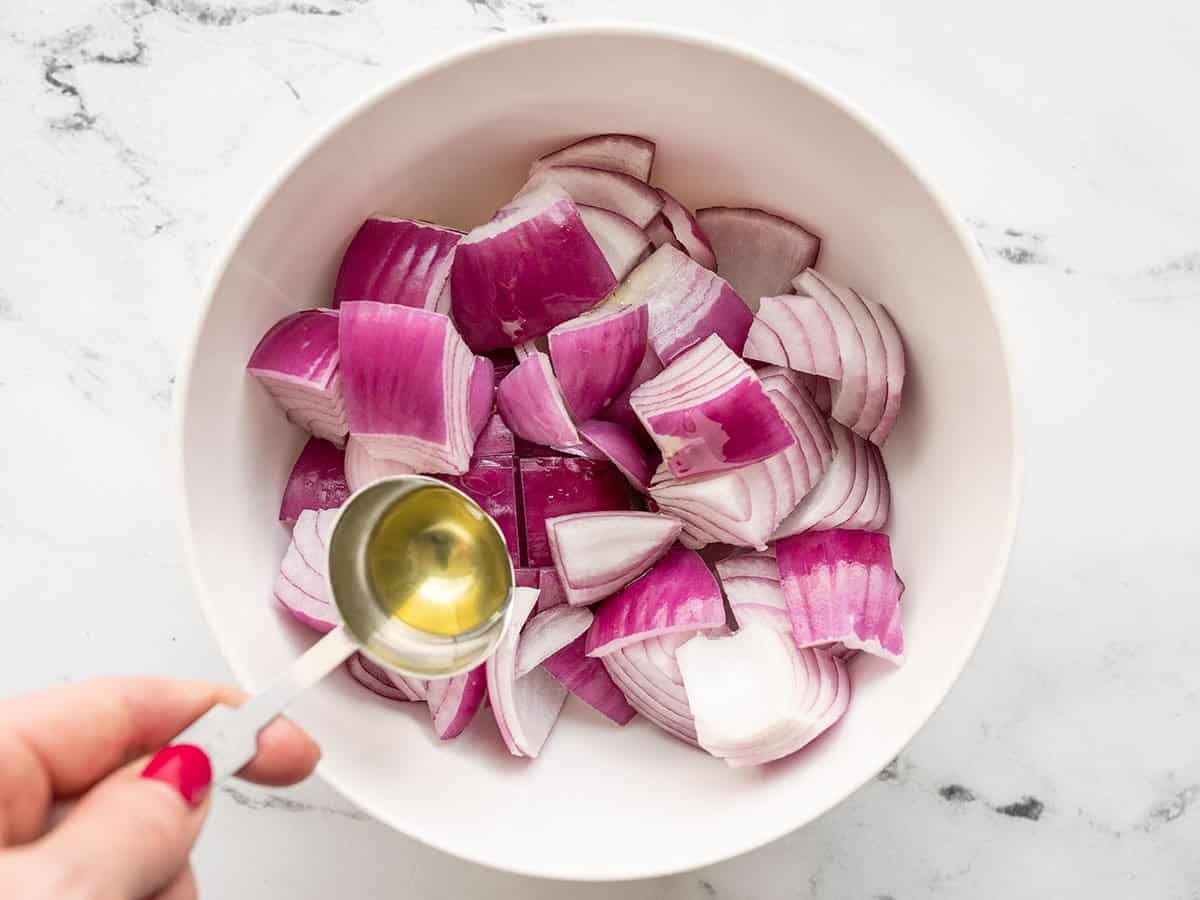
{"x":133,"y":822}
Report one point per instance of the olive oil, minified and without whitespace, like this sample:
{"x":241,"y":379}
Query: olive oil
{"x":431,"y":563}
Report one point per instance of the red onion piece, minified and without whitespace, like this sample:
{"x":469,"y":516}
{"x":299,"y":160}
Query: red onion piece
{"x":407,"y":375}
{"x":756,"y":697}
{"x":531,"y":402}
{"x":688,"y":232}
{"x":679,"y":594}
{"x":687,"y":303}
{"x":527,"y":349}
{"x":298,"y":362}
{"x":619,"y":446}
{"x":550,"y":589}
{"x":598,"y":553}
{"x":496,"y":439}
{"x":453,"y":702}
{"x":402,"y":261}
{"x":317,"y":481}
{"x":814,"y":437}
{"x":525,"y":577}
{"x":757,"y":252}
{"x":588,"y":680}
{"x":557,"y":486}
{"x":750,"y":580}
{"x":596,"y":355}
{"x":659,"y":232}
{"x":526,"y":708}
{"x":362,"y":468}
{"x":479,"y":402}
{"x":374,"y":679}
{"x":620,"y":411}
{"x":492,"y":484}
{"x":707,"y":412}
{"x":614,"y":191}
{"x":895,"y":367}
{"x":795,"y":332}
{"x":300,"y":586}
{"x":625,"y":153}
{"x":841,"y":587}
{"x":532,"y":266}
{"x":548,"y":632}
{"x":623,"y":244}
{"x":648,"y":675}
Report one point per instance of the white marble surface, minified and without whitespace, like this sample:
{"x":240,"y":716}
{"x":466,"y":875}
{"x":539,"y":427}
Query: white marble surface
{"x":1064,"y":764}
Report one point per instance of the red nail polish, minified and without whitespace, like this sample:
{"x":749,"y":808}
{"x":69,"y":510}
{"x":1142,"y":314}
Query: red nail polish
{"x":183,"y":766}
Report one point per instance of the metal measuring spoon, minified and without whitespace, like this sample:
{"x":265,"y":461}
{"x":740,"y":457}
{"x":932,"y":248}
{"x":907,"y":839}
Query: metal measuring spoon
{"x":422,"y":581}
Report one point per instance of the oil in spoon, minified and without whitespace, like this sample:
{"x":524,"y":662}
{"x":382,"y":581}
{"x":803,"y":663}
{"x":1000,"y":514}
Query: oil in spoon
{"x":430,"y":564}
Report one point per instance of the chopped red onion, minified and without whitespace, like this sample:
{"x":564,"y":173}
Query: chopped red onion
{"x":659,"y":232}
{"x":531,"y":402}
{"x":625,"y":153}
{"x":298,"y":362}
{"x":407,"y":375}
{"x":479,"y":401}
{"x":649,"y":676}
{"x":374,"y":679}
{"x":687,"y":231}
{"x":621,"y":448}
{"x":620,"y":410}
{"x":757,"y":253}
{"x":623,"y":244}
{"x":614,"y":191}
{"x":795,"y":332}
{"x":453,"y":702}
{"x":362,"y":468}
{"x":550,"y":589}
{"x":598,"y":553}
{"x":750,"y":579}
{"x":588,"y":680}
{"x":596,"y":355}
{"x":492,"y":484}
{"x":317,"y":481}
{"x":402,"y":261}
{"x":532,"y":266}
{"x":548,"y":632}
{"x":300,"y":587}
{"x":556,"y":486}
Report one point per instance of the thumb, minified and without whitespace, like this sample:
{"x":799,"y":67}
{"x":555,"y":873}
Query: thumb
{"x":131,"y":834}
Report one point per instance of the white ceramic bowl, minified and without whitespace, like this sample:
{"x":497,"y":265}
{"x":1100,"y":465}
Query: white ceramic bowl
{"x":450,"y":143}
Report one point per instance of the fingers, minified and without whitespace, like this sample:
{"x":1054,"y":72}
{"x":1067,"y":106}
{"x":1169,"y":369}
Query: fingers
{"x":128,"y":837}
{"x":182,"y":888}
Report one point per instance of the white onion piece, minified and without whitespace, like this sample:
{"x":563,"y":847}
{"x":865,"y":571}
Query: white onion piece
{"x":614,"y":191}
{"x":362,"y":468}
{"x":391,"y":260}
{"x":625,"y":153}
{"x":532,"y":266}
{"x":547,"y":633}
{"x":623,"y":244}
{"x":678,"y":594}
{"x":756,"y":697}
{"x":687,"y":303}
{"x":618,"y":445}
{"x":687,"y":232}
{"x":659,"y":232}
{"x":531,"y":402}
{"x":596,"y":355}
{"x":841,"y":587}
{"x":375,"y":680}
{"x":453,"y":702}
{"x":407,"y":376}
{"x":598,"y":553}
{"x":750,"y":580}
{"x":526,"y":708}
{"x":300,"y":586}
{"x":757,"y":252}
{"x":298,"y":362}
{"x":707,"y":412}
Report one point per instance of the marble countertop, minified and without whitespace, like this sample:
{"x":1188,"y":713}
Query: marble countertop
{"x":1063,"y":764}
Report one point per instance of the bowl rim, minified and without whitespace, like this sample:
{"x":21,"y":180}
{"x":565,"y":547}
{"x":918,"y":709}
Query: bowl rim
{"x":736,"y":846}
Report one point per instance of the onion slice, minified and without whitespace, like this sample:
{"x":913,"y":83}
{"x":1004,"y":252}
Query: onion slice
{"x":596,"y":355}
{"x":625,"y":153}
{"x":796,"y":332}
{"x":841,"y":587}
{"x":678,"y":594}
{"x":687,"y":231}
{"x":362,"y":467}
{"x":623,"y":244}
{"x":589,"y":680}
{"x":479,"y":401}
{"x":407,"y":378}
{"x":403,"y":261}
{"x":375,"y":679}
{"x":598,"y":553}
{"x":648,"y":675}
{"x":757,"y":252}
{"x":707,"y":411}
{"x":548,"y":632}
{"x":620,"y":411}
{"x":526,"y":708}
{"x":298,"y":362}
{"x":453,"y":702}
{"x":550,"y":589}
{"x":317,"y":480}
{"x":532,"y":266}
{"x":620,"y":447}
{"x":530,"y":400}
{"x":557,"y":486}
{"x":614,"y":191}
{"x":750,"y":580}
{"x":659,"y":232}
{"x":687,"y":303}
{"x":300,"y":586}
{"x":755,"y":697}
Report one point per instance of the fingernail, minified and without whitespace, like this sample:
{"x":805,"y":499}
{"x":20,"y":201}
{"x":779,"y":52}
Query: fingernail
{"x":183,"y":766}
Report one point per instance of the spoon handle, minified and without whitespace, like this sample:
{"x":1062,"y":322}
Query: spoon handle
{"x":229,"y":734}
